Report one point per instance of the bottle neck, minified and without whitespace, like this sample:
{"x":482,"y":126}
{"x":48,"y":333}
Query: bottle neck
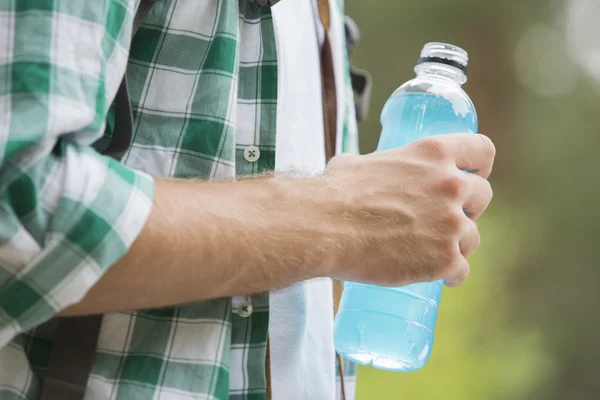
{"x":441,"y":71}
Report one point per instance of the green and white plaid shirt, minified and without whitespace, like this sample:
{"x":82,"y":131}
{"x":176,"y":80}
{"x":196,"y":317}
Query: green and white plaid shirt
{"x":202,"y":76}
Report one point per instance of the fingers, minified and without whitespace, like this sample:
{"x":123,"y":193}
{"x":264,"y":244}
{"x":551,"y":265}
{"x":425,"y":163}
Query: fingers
{"x":469,"y":242}
{"x":459,"y":273}
{"x":470,"y":239}
{"x":472,"y":152}
{"x":478,"y":195}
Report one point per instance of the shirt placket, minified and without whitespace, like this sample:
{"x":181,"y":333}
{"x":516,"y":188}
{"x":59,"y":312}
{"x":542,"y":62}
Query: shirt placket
{"x":255,"y":154}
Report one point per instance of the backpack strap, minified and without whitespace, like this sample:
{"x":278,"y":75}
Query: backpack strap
{"x":362,"y":82}
{"x":122,"y":135}
{"x":75,"y":342}
{"x":72,"y":358}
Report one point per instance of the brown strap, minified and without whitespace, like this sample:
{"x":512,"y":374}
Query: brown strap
{"x":329,"y":97}
{"x":75,"y":343}
{"x":268,"y":370}
{"x":328,"y":83}
{"x":337,"y":294}
{"x":324,"y":14}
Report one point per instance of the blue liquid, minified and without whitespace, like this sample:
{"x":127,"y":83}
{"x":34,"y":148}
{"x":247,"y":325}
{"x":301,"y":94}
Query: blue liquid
{"x":392,"y":328}
{"x":407,"y":117}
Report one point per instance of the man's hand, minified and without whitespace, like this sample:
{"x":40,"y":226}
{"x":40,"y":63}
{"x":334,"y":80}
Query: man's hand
{"x":391,"y":218}
{"x":407,"y":215}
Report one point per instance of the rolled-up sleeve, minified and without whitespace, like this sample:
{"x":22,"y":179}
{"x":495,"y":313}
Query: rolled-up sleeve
{"x":67,"y":213}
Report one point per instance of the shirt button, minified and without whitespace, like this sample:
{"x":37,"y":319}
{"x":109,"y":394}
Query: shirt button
{"x":245,"y":309}
{"x":252,"y":153}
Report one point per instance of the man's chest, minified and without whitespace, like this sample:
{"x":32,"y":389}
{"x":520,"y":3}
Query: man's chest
{"x":203,"y":80}
{"x":222,"y":88}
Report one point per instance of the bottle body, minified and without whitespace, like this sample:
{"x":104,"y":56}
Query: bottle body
{"x":392,"y":328}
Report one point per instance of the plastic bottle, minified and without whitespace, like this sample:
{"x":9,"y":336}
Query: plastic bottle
{"x":392,"y":328}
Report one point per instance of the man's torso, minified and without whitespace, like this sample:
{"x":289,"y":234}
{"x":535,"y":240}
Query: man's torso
{"x":203,"y":79}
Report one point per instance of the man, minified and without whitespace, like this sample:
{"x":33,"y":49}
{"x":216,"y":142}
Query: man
{"x":220,"y":89}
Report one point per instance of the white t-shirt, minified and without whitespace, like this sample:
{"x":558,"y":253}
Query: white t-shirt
{"x":301,"y":316}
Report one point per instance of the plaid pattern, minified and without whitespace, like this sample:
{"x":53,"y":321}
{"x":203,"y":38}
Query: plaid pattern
{"x":66,"y":213}
{"x":202,"y":77}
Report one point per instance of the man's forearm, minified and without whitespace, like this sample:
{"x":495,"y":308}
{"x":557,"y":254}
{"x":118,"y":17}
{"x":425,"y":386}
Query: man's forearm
{"x":210,"y":240}
{"x":366,"y":219}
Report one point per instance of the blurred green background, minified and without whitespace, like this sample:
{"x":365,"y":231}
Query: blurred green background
{"x":526,"y":325}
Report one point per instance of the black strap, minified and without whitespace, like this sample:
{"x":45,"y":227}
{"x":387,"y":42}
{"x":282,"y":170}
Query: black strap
{"x":72,"y":358}
{"x":362,"y":82}
{"x":75,"y":342}
{"x":141,"y":15}
{"x":123,"y":130}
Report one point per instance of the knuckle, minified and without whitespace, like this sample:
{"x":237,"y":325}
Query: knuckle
{"x":485,"y":195}
{"x":446,"y":262}
{"x":477,"y":238}
{"x":431,"y":148}
{"x":463,"y":273}
{"x":454,"y":185}
{"x":456,"y":273}
{"x":488,"y":187}
{"x":450,"y":255}
{"x":490,"y":191}
{"x":453,"y":221}
{"x":471,"y":241}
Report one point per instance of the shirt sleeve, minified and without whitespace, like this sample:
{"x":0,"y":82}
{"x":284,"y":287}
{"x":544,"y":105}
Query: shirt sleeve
{"x":67,"y":213}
